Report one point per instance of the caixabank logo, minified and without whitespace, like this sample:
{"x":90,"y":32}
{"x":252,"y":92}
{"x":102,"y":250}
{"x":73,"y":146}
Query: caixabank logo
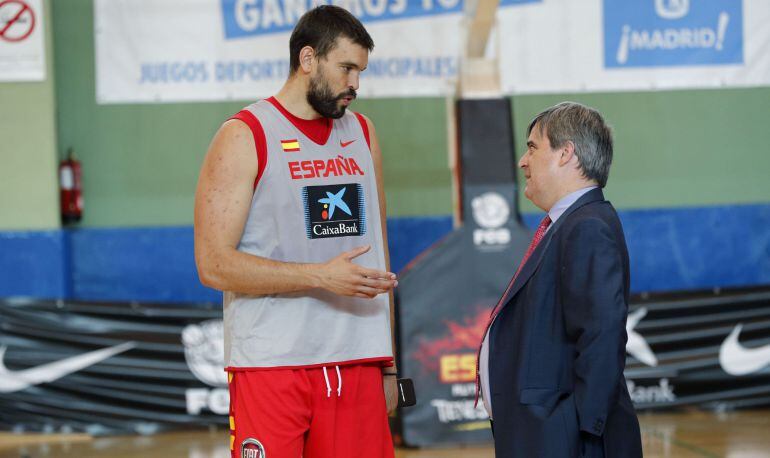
{"x":672,"y":33}
{"x":334,"y":210}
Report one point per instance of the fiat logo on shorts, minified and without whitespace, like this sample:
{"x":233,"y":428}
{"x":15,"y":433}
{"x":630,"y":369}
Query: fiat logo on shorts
{"x":252,"y":448}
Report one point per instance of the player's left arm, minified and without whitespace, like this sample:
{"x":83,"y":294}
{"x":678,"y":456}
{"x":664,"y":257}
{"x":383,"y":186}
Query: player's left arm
{"x":388,"y":381}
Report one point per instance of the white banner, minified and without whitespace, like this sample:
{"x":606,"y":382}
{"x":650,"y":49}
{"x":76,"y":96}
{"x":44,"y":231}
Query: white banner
{"x":610,"y":45}
{"x":211,"y":50}
{"x":22,"y":40}
{"x":184,"y":50}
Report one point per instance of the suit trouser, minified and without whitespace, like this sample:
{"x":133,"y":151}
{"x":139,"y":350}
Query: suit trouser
{"x":590,"y":446}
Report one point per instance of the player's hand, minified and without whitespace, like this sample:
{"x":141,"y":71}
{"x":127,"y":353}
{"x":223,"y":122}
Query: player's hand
{"x":342,"y":276}
{"x":390,"y":386}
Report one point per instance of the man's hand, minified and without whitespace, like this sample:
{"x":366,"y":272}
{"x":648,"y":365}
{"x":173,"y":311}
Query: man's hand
{"x":341,"y":276}
{"x":390,"y":386}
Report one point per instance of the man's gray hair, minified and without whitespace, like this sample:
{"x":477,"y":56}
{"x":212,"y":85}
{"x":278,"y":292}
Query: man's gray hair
{"x":586,"y":129}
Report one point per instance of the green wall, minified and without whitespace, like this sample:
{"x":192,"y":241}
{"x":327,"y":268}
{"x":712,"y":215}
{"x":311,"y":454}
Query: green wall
{"x":677,"y":148}
{"x":28,"y":159}
{"x":140,"y":162}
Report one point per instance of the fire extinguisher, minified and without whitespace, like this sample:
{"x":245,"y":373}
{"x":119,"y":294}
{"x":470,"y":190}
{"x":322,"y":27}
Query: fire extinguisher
{"x":70,"y":189}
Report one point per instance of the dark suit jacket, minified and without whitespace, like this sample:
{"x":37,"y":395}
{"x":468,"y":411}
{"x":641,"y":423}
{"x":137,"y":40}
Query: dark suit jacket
{"x":557,"y":347}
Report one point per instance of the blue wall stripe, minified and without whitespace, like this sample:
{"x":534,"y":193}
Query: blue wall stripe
{"x":695,"y":248}
{"x":33,"y":263}
{"x":670,"y":249}
{"x":408,"y":237}
{"x":137,"y":264}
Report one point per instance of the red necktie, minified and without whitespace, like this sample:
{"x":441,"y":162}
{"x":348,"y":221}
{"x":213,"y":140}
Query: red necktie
{"x":539,"y":234}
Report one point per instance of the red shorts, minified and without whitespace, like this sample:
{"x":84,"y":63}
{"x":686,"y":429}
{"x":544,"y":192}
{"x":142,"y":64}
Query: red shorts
{"x":309,"y":413}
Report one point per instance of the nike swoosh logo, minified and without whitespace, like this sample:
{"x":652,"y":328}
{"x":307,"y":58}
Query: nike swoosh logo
{"x":12,"y":381}
{"x":636,"y":345}
{"x":344,"y":144}
{"x":737,"y":360}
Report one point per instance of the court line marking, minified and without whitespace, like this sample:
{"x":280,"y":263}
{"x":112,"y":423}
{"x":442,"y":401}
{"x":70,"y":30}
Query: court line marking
{"x":680,"y":443}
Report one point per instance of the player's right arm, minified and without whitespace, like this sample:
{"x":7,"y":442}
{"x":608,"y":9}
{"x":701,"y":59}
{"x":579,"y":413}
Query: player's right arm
{"x":222,"y":202}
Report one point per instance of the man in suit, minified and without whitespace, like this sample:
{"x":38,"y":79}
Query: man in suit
{"x":552,"y":359}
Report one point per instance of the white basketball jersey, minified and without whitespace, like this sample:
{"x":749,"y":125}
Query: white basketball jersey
{"x":312,"y":203}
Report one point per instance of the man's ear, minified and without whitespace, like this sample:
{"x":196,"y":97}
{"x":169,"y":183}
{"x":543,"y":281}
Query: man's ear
{"x":567,"y":153}
{"x":306,"y":57}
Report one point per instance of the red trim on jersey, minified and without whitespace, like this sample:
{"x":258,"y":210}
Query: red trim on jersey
{"x":365,"y":127}
{"x":260,"y":143}
{"x":319,"y":130}
{"x":387,"y":361}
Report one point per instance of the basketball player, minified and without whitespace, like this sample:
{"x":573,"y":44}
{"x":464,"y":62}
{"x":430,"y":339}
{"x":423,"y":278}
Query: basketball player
{"x":290,"y":224}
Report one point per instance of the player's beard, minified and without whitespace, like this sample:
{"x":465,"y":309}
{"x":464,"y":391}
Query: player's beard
{"x":323,"y":101}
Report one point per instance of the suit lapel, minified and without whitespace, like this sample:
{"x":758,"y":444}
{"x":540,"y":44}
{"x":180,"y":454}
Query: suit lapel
{"x":594,"y":195}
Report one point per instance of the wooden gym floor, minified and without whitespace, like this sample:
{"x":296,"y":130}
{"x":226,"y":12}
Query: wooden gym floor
{"x":742,"y":434}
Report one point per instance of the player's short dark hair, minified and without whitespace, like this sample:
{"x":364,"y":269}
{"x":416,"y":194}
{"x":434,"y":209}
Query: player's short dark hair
{"x":320,"y":27}
{"x":586,"y":129}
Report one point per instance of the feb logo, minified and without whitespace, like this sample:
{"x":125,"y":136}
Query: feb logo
{"x":491,"y":212}
{"x":252,"y":448}
{"x":334,"y":210}
{"x":204,"y":353}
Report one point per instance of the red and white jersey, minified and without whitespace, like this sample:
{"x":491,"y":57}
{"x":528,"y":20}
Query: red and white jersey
{"x":313,"y":199}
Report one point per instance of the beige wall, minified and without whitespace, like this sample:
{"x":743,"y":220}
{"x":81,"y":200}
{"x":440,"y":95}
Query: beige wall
{"x":28,"y":157}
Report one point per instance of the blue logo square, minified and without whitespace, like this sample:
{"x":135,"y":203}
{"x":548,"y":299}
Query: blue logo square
{"x":334,"y":210}
{"x":671,"y":33}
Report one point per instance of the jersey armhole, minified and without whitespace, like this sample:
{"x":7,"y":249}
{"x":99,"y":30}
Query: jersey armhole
{"x":365,"y":128}
{"x":260,"y":142}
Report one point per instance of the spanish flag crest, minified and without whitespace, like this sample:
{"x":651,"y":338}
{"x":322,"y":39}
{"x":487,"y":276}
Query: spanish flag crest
{"x":290,"y":146}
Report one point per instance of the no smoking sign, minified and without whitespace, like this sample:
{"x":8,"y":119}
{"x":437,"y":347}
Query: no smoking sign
{"x":17,"y":20}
